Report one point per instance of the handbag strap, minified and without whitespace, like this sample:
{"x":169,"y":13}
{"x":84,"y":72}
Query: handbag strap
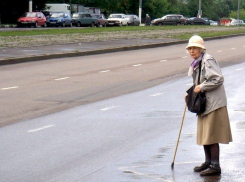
{"x":200,"y":66}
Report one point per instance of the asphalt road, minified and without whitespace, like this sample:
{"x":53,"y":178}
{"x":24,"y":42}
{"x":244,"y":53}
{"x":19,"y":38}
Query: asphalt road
{"x":123,"y":139}
{"x":34,"y":89}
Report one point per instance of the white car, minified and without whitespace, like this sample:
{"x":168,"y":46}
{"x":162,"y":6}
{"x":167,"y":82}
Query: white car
{"x":117,"y":19}
{"x":213,"y":22}
{"x":236,"y":22}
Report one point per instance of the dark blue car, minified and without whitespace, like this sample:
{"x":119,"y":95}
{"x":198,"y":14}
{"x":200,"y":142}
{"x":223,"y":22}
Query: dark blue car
{"x":59,"y":19}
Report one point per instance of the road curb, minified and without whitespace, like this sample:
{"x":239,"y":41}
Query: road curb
{"x":8,"y":26}
{"x":17,"y":60}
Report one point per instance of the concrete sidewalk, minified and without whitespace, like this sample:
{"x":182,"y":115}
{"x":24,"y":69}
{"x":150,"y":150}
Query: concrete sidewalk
{"x":36,"y":53}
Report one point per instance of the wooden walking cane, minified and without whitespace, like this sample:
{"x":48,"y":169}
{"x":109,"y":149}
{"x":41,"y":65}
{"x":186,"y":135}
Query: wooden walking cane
{"x":172,"y":166}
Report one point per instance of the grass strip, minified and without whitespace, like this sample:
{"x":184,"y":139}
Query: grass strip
{"x":57,"y":31}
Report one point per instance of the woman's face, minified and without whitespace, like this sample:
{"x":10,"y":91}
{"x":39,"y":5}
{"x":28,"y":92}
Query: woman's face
{"x":195,"y":52}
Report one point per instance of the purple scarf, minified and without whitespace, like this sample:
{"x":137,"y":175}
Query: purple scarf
{"x":194,"y":64}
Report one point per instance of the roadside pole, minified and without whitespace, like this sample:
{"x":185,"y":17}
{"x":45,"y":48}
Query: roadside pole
{"x":238,"y":12}
{"x":30,"y":5}
{"x":140,"y":10}
{"x":200,"y":9}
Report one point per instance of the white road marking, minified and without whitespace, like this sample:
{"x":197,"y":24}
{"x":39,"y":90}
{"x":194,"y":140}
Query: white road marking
{"x":157,"y":94}
{"x":233,"y":48}
{"x":238,"y":142}
{"x":185,"y":57}
{"x":108,"y":108}
{"x":137,"y":65}
{"x":219,"y":51}
{"x":105,"y":71}
{"x":189,"y":84}
{"x":4,"y":50}
{"x":239,"y":69}
{"x":42,"y":128}
{"x":8,"y":88}
{"x":163,"y":61}
{"x":64,"y":78}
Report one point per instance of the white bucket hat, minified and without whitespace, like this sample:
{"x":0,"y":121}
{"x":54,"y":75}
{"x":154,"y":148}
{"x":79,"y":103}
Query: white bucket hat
{"x":196,"y":41}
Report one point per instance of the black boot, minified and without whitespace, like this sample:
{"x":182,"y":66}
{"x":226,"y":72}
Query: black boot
{"x":201,"y":167}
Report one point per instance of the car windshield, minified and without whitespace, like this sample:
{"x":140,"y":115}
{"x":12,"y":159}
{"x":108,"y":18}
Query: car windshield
{"x":164,"y":17}
{"x":32,"y":15}
{"x":57,"y":15}
{"x":75,"y":15}
{"x":115,"y":16}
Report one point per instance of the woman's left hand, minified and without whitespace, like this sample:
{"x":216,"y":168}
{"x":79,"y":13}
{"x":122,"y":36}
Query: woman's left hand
{"x":197,"y":89}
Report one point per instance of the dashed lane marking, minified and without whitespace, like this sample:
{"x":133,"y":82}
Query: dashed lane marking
{"x":233,"y":48}
{"x":64,"y":78}
{"x":157,"y":94}
{"x":42,"y":128}
{"x":185,"y":57}
{"x":105,"y":71}
{"x":8,"y":88}
{"x":239,"y":69}
{"x":109,"y":108}
{"x":219,"y":51}
{"x":163,"y":61}
{"x":137,"y":65}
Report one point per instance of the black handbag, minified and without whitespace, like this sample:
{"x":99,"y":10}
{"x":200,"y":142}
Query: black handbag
{"x":196,"y":103}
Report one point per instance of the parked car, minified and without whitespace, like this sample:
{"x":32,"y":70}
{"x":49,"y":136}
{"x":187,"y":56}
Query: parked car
{"x":47,"y":14}
{"x":207,"y":20}
{"x":32,"y":19}
{"x":84,"y":19}
{"x":236,"y":22}
{"x":102,"y":19}
{"x":213,"y":22}
{"x":59,"y":19}
{"x":117,"y":19}
{"x":170,"y":19}
{"x":133,"y":20}
{"x":196,"y":21}
{"x":189,"y":21}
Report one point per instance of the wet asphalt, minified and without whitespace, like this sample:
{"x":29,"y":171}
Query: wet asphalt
{"x":128,"y":141}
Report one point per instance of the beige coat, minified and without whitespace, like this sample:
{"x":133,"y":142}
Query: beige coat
{"x":211,"y":80}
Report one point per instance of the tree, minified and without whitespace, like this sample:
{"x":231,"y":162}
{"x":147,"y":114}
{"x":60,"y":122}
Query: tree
{"x":155,"y":8}
{"x":11,"y":10}
{"x":233,"y":14}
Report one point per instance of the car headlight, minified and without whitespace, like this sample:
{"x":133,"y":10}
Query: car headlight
{"x":59,"y":20}
{"x":118,"y":22}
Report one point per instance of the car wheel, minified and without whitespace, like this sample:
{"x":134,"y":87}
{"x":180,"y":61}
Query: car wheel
{"x":71,"y":24}
{"x":78,"y":24}
{"x":121,"y":24}
{"x":63,"y":24}
{"x":105,"y":25}
{"x":98,"y":25}
{"x":45,"y":25}
{"x":92,"y":24}
{"x":35,"y":25}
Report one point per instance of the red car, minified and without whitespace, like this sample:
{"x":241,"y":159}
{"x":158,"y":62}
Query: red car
{"x":32,"y":19}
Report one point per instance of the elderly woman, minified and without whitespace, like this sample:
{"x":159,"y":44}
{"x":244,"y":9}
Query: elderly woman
{"x":213,"y":125}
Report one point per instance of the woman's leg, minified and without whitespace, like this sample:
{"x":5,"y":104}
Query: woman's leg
{"x":207,"y":151}
{"x":214,"y":148}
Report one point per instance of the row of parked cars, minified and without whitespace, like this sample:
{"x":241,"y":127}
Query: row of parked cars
{"x":77,"y":19}
{"x":176,"y":19}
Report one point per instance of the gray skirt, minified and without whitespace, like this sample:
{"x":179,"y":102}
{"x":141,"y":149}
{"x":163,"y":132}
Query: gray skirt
{"x":214,"y":128}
